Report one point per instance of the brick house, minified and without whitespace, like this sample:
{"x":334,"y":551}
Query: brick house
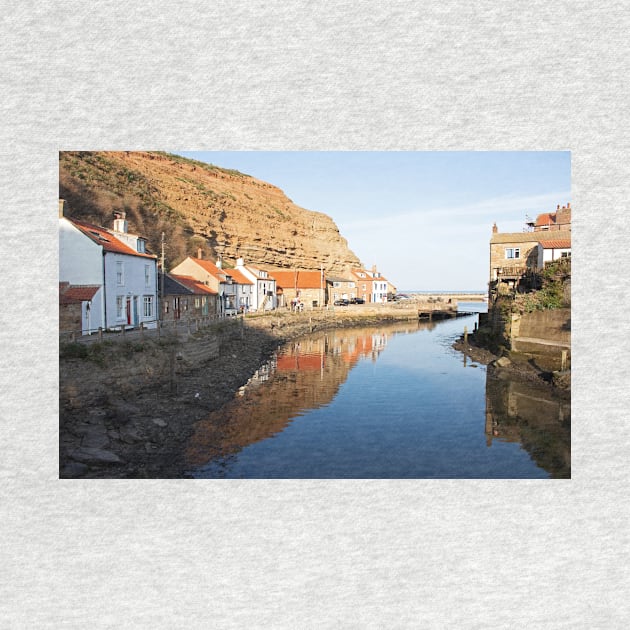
{"x":560,"y":220}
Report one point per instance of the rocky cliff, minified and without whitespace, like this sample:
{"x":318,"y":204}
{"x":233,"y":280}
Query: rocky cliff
{"x":224,"y":212}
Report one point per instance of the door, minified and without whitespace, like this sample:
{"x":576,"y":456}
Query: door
{"x":176,"y":308}
{"x":129,"y":311}
{"x":136,"y":318}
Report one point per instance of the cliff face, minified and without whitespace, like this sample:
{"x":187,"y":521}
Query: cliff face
{"x":197,"y":205}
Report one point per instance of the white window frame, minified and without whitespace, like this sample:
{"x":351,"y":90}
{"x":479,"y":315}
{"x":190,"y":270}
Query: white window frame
{"x":147,"y":276}
{"x":512,"y":253}
{"x":120,"y":302}
{"x":147,"y":306}
{"x":120,"y":273}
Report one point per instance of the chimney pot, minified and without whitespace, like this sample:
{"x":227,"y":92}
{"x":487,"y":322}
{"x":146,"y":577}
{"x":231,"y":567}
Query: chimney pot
{"x":495,"y":229}
{"x":199,"y":253}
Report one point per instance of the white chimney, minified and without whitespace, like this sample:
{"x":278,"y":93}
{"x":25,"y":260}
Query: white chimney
{"x":199,"y":253}
{"x":219,"y":263}
{"x":120,"y":222}
{"x":240,"y":262}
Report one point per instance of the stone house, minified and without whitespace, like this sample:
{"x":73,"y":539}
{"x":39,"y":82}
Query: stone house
{"x":115,"y":261}
{"x":186,"y":298}
{"x":75,"y":308}
{"x":516,"y":256}
{"x":215,"y":277}
{"x":340,"y":288}
{"x":307,"y":288}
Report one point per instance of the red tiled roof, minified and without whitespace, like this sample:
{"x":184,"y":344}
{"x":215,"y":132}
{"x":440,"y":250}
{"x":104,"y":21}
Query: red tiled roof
{"x":547,"y":218}
{"x":194,"y":285}
{"x":106,"y":240}
{"x":71,"y":294}
{"x":210,"y":267}
{"x":299,"y":279}
{"x":238,"y":276}
{"x":556,"y":244}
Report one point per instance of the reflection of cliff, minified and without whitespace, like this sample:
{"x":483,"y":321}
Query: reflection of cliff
{"x":305,"y":375}
{"x":520,"y":412}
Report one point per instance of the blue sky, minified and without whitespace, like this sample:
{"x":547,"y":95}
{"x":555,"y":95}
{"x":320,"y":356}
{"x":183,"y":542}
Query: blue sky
{"x":424,"y":218}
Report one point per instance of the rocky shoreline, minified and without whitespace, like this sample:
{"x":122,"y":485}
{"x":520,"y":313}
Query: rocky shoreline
{"x":140,"y":432}
{"x":517,"y":366}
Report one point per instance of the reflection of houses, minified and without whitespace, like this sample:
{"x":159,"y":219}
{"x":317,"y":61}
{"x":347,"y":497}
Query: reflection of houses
{"x":515,"y":258}
{"x":309,"y":287}
{"x":115,"y":261}
{"x":213,"y":276}
{"x":185,"y":297}
{"x":263,"y":296}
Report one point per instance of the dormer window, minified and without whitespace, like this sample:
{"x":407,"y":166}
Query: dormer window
{"x":141,"y":246}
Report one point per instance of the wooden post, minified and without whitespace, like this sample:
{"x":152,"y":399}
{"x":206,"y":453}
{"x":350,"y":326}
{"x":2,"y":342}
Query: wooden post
{"x":466,"y":334}
{"x":141,"y":330}
{"x":563,"y":361}
{"x":100,"y":333}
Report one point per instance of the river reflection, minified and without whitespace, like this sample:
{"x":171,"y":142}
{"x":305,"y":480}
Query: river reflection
{"x":392,"y":401}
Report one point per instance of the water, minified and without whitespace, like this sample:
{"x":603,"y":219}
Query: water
{"x":390,"y":402}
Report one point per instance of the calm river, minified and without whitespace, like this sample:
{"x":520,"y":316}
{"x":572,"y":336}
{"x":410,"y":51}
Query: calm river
{"x":390,"y":402}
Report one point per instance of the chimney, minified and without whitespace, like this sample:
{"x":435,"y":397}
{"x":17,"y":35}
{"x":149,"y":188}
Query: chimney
{"x":219,"y":263}
{"x":568,"y":205}
{"x":495,"y":229}
{"x":62,"y":205}
{"x":120,"y":222}
{"x":240,"y":262}
{"x":199,"y":253}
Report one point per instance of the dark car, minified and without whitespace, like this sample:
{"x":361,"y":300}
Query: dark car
{"x":341,"y":302}
{"x":357,"y":300}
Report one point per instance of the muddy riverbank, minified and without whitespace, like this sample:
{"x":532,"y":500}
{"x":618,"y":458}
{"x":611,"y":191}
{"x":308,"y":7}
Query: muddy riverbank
{"x":127,"y":409}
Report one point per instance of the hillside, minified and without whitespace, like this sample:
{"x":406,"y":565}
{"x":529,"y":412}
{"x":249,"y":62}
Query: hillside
{"x":198,"y":205}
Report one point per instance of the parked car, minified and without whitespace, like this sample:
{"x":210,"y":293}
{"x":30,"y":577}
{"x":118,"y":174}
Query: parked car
{"x":357,"y":300}
{"x":341,"y":302}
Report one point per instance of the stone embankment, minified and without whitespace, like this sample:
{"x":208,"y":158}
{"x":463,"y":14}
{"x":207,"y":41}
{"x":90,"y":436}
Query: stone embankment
{"x":127,"y":407}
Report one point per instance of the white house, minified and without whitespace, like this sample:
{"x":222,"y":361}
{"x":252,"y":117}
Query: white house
{"x":117,"y":262}
{"x":553,"y":249}
{"x":264,"y":286}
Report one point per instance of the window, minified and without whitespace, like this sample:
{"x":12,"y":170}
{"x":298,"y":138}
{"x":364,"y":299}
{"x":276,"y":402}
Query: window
{"x":148,"y":306}
{"x":336,"y":284}
{"x":565,"y":255}
{"x":119,"y":307}
{"x":166,"y":306}
{"x":120,"y":273}
{"x":513,"y":252}
{"x":147,"y":276}
{"x":141,"y":246}
{"x":197,"y":302}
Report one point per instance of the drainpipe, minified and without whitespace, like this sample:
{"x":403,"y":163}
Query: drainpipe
{"x":104,"y":308}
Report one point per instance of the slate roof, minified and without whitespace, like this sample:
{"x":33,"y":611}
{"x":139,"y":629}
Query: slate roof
{"x":106,"y":240}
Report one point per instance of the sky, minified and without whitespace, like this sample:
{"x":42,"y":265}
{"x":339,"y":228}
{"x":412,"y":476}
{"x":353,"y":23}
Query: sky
{"x":423,"y":218}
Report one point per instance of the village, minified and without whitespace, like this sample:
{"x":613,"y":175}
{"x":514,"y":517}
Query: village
{"x":109,"y":281}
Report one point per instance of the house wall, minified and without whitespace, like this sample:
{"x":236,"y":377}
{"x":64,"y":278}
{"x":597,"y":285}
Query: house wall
{"x":554,"y":254}
{"x":529,"y":256}
{"x":81,"y":263}
{"x":307,"y":296}
{"x":134,"y":288}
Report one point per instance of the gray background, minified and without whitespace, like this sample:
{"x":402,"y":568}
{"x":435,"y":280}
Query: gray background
{"x":313,"y":554}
